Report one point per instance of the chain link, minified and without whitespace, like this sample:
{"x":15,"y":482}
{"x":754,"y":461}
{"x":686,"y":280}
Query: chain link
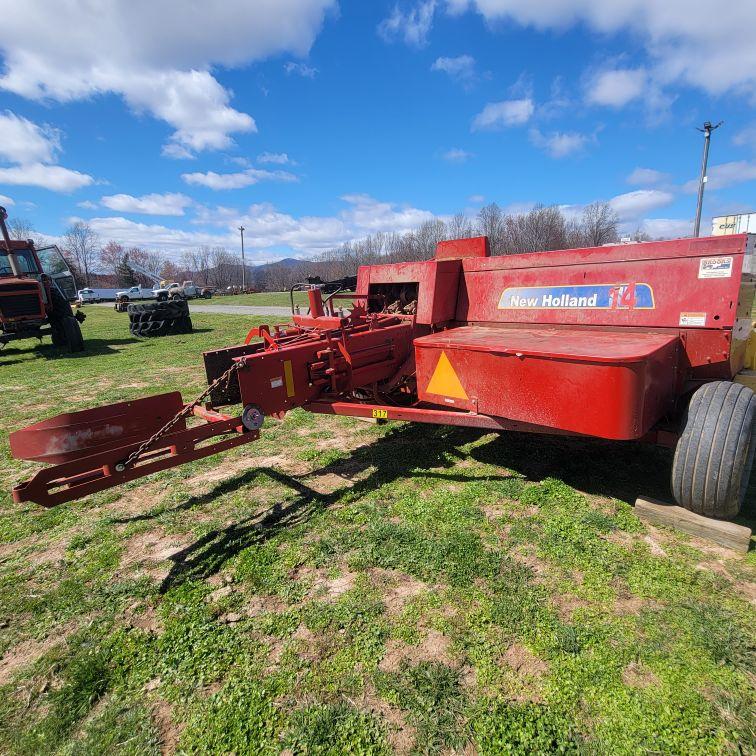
{"x":185,"y":412}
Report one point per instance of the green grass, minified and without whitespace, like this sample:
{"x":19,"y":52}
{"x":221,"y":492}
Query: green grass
{"x":338,"y":587}
{"x":263,"y":299}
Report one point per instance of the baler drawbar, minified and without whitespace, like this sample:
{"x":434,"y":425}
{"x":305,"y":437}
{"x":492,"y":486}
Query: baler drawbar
{"x":626,"y":342}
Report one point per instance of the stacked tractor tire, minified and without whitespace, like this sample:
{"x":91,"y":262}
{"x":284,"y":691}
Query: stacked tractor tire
{"x":159,"y":318}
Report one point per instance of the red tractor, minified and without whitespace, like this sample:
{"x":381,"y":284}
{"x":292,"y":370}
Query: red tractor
{"x":31,"y":302}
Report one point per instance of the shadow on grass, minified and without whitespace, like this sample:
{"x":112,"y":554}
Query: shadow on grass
{"x":622,"y":471}
{"x":92,"y":348}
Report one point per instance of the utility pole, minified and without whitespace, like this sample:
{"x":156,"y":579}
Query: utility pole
{"x":706,"y":130}
{"x":244,"y":266}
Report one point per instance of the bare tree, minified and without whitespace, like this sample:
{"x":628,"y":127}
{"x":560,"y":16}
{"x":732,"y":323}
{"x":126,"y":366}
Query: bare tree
{"x":82,"y":243}
{"x":20,"y":228}
{"x":111,"y":256}
{"x":223,"y":265}
{"x":460,"y":227}
{"x":599,"y":224}
{"x":491,"y":224}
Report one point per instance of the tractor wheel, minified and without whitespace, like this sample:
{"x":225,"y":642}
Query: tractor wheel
{"x":72,"y":331}
{"x":162,"y":297}
{"x":61,"y":307}
{"x":57,"y":333}
{"x":176,"y":297}
{"x":714,"y":456}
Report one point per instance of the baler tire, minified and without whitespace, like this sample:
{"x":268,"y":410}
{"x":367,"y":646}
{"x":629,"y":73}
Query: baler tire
{"x":714,"y":456}
{"x":72,"y":332}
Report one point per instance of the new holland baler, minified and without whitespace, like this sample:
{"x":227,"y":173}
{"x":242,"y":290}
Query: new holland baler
{"x":631,"y":342}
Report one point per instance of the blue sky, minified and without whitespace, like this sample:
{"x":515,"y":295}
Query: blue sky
{"x":312,"y":122}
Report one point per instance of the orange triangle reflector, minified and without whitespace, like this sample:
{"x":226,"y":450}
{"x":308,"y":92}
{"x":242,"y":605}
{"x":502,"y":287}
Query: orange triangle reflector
{"x":444,"y":380}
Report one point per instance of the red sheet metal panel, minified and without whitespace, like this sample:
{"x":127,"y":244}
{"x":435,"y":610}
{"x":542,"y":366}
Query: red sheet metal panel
{"x":609,"y":384}
{"x":691,"y":284}
{"x":438,"y":283}
{"x":79,"y":434}
{"x":455,"y":249}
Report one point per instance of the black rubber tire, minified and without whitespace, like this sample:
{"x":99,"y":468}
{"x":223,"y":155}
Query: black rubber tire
{"x":183,"y":325}
{"x":176,"y":297}
{"x":57,"y":333}
{"x":60,"y":310}
{"x":61,"y":307}
{"x":161,"y":310}
{"x":208,"y":295}
{"x":72,"y":331}
{"x":714,"y":456}
{"x":162,"y":297}
{"x":151,"y":328}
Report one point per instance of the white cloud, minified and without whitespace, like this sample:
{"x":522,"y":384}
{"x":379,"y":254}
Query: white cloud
{"x":725,"y":174}
{"x":411,"y":26}
{"x":217,"y":181}
{"x":280,"y":158}
{"x":646,"y":177}
{"x":267,"y":228}
{"x":688,"y":42}
{"x":52,"y":177}
{"x":457,"y":155}
{"x":497,"y":115}
{"x":368,"y":215}
{"x":616,"y":87}
{"x":461,"y":68}
{"x":22,"y":141}
{"x":157,"y":56}
{"x":633,"y":205}
{"x":476,"y":199}
{"x":171,"y":203}
{"x":301,"y":69}
{"x":177,"y":151}
{"x":87,"y":205}
{"x":667,"y":228}
{"x":6,"y":201}
{"x":559,"y":144}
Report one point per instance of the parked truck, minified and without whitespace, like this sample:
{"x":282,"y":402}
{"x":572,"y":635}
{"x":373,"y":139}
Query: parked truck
{"x":134,"y":294}
{"x":186,"y":290}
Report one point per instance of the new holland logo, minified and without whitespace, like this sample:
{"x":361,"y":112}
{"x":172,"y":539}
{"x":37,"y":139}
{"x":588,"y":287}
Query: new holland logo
{"x":626,"y":296}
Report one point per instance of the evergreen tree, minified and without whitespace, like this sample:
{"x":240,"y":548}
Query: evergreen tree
{"x":125,"y":273}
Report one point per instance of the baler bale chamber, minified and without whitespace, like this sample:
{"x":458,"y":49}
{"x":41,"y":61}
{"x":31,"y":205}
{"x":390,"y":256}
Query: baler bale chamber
{"x":631,"y":342}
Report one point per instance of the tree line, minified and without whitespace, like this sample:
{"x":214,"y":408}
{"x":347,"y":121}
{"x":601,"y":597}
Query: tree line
{"x":542,"y":228}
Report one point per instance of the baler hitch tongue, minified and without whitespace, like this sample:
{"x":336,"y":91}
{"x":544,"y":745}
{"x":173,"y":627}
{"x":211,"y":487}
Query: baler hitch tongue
{"x":99,"y":448}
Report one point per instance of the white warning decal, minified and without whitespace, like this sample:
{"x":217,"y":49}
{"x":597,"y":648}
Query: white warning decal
{"x":715,"y":267}
{"x":693,"y":319}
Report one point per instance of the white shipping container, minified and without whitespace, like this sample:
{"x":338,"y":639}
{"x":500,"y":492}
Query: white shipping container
{"x":744,"y":223}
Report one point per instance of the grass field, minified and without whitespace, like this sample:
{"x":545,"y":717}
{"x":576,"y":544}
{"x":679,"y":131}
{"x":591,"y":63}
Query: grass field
{"x":339,"y":587}
{"x":264,"y":299}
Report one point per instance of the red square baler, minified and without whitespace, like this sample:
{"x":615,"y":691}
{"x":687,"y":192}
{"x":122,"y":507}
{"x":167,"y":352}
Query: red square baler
{"x":624,"y":342}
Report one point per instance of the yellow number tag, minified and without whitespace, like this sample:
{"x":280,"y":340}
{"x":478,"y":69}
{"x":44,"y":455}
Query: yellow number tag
{"x":380,"y":413}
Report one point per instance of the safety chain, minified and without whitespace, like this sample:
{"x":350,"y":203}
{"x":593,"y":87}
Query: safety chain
{"x":185,"y":412}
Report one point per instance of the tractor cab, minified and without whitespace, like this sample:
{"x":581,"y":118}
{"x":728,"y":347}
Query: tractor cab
{"x":32,"y":304}
{"x":23,"y":294}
